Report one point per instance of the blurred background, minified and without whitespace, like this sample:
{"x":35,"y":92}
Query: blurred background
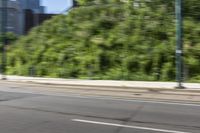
{"x":99,"y":39}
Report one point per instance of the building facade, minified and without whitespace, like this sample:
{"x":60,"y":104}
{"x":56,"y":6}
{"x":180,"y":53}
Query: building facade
{"x":22,"y":15}
{"x":29,"y":7}
{"x":32,"y":19}
{"x":13,"y":16}
{"x":17,"y":15}
{"x":33,"y":5}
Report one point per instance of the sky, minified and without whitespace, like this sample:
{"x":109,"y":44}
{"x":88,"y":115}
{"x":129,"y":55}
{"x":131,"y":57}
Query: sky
{"x":56,"y":6}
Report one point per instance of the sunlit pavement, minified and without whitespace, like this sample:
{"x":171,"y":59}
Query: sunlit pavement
{"x":23,"y":111}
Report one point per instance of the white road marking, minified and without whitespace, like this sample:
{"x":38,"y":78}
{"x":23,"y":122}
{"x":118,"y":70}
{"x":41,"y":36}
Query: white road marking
{"x":127,"y":126}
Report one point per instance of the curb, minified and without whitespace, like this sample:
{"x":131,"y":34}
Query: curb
{"x":115,"y":88}
{"x":149,"y":99}
{"x":130,"y":93}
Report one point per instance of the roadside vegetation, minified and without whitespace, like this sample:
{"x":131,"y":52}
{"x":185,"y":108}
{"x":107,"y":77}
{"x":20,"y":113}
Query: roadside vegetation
{"x":111,"y":39}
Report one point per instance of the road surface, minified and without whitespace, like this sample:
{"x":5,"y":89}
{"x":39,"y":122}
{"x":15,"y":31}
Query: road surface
{"x":22,"y":111}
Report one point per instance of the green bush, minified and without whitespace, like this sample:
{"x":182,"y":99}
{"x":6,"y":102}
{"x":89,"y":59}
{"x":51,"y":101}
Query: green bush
{"x":109,"y":40}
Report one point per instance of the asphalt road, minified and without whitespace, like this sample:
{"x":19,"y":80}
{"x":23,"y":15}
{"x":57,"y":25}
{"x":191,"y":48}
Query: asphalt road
{"x":34,"y":112}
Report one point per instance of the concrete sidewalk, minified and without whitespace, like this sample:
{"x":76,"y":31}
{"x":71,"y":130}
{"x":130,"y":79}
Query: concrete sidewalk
{"x":104,"y":83}
{"x":161,"y":91}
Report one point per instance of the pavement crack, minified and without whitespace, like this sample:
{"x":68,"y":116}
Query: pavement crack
{"x":65,"y":113}
{"x":118,"y":130}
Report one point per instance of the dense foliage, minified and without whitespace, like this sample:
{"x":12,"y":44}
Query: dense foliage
{"x":10,"y":38}
{"x":110,"y":39}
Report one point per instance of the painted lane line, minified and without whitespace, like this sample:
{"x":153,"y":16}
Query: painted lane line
{"x":127,"y":126}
